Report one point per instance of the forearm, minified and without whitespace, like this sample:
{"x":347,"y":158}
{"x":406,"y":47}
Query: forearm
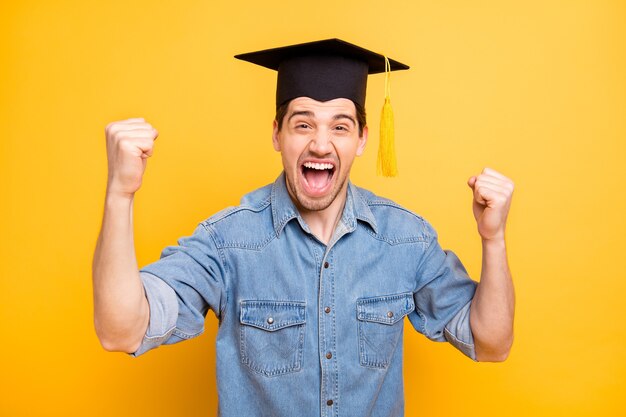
{"x":493,"y":306}
{"x":121,"y":311}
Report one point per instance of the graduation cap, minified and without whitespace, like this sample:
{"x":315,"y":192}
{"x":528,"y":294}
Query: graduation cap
{"x":328,"y":69}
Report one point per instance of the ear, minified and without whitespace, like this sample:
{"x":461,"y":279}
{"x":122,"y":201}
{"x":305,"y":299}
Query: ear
{"x":362,"y":142}
{"x":275,"y":140}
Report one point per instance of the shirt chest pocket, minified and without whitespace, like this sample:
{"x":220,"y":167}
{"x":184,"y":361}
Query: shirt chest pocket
{"x":272,"y":336}
{"x":380,"y":327}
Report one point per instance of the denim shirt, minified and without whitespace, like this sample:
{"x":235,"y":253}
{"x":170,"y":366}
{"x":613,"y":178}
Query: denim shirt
{"x":308,"y":329}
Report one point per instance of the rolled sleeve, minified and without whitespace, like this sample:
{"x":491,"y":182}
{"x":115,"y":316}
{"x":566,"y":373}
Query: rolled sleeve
{"x":443,"y":297}
{"x":459,"y":333}
{"x":163,"y":312}
{"x":181,"y":287}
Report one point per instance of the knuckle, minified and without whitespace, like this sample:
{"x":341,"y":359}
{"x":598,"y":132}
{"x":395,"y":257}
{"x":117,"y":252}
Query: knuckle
{"x":117,"y":132}
{"x":110,"y":129}
{"x":126,"y":143}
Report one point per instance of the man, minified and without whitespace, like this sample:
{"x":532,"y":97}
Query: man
{"x":310,"y":277}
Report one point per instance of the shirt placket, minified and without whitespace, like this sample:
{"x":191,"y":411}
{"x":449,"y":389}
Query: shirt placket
{"x":327,"y":339}
{"x":329,"y":391}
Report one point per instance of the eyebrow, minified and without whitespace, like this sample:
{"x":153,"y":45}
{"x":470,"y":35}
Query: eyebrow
{"x":307,"y":113}
{"x":300,"y":113}
{"x":344,"y":116}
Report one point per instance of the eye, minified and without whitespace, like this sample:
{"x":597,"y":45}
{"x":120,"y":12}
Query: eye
{"x":341,"y":128}
{"x":302,"y":125}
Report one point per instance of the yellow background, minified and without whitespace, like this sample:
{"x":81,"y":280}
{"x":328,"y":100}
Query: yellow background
{"x":534,"y":89}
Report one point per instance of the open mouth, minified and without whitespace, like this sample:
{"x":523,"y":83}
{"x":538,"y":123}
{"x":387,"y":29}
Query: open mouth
{"x":317,"y":176}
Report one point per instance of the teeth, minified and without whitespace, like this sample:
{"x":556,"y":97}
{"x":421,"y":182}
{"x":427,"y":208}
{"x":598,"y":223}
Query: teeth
{"x":314,"y":165}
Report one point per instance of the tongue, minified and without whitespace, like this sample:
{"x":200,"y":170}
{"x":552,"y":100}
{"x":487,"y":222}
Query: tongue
{"x":317,"y":178}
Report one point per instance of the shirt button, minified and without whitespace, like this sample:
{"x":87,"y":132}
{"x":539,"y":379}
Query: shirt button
{"x":390,"y":314}
{"x":326,"y":264}
{"x":270,"y":320}
{"x":326,"y":310}
{"x":329,"y":355}
{"x":329,"y":402}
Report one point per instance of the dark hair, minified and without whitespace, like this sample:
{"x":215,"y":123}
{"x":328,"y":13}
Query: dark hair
{"x":281,"y":112}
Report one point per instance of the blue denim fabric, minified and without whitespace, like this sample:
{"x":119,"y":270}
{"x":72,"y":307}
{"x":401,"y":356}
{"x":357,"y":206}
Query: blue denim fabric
{"x":308,"y":329}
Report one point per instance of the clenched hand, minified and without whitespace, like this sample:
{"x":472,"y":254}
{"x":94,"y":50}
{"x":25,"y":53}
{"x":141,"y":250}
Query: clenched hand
{"x":129,"y":144}
{"x":492,"y":200}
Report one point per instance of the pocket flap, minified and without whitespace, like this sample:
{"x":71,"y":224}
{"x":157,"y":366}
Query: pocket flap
{"x":385,"y":309}
{"x":272,"y":315}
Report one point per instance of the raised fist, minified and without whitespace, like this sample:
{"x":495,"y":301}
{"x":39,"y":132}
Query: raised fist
{"x":492,"y":201}
{"x":130,"y":143}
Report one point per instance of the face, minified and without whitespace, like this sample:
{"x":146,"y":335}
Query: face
{"x":318,"y":142}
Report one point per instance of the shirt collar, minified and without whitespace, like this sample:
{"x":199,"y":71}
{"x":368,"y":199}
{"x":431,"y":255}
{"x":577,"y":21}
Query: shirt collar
{"x":283,"y":209}
{"x":360,"y":208}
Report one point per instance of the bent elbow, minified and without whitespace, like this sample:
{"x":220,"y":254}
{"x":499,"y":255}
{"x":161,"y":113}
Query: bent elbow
{"x":500,"y":354}
{"x":109,"y":345}
{"x":117,"y":343}
{"x":118,"y":346}
{"x":499,"y":357}
{"x":492,"y":357}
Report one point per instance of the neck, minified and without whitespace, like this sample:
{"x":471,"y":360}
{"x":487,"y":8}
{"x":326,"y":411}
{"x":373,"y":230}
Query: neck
{"x":323,"y":222}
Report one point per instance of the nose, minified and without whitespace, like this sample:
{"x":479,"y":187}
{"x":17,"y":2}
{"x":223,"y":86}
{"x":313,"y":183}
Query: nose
{"x":321,"y":144}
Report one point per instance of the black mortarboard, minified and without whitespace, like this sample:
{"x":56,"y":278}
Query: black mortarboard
{"x":329,"y":69}
{"x":322,"y":70}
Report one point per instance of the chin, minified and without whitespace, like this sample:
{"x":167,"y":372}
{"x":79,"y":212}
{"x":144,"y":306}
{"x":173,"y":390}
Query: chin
{"x":313,"y":203}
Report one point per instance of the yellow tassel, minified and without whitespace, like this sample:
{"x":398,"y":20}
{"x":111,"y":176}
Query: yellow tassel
{"x":386,"y":164}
